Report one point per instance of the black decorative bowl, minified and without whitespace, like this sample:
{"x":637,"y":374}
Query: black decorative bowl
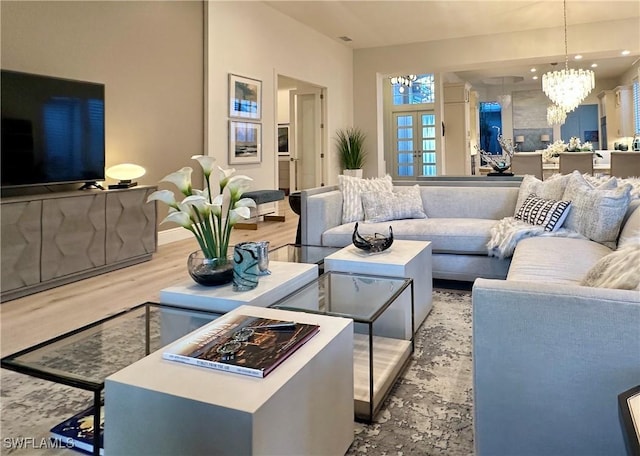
{"x":372,"y":243}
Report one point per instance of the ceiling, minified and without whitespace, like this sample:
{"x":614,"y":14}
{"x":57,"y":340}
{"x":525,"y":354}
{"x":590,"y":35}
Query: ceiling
{"x":386,"y":23}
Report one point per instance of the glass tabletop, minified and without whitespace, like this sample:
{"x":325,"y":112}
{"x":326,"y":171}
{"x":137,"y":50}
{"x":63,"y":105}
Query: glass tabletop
{"x":300,"y":253}
{"x":360,"y":297}
{"x":85,"y":357}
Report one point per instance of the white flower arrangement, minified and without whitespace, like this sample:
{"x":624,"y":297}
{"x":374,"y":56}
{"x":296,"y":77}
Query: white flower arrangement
{"x":553,"y":150}
{"x":200,"y":212}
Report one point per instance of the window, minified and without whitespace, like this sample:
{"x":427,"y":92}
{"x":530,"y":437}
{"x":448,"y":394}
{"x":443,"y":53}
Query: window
{"x":636,"y":106}
{"x":422,"y":90}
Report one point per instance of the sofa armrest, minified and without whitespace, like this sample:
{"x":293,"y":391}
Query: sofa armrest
{"x":549,"y":362}
{"x":320,"y":209}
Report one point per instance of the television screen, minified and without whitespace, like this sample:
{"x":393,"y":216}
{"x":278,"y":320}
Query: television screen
{"x":52,"y":130}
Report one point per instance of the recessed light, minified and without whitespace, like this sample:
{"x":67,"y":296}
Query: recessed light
{"x":626,"y":52}
{"x":594,"y":65}
{"x":578,"y":57}
{"x":533,"y":70}
{"x":535,"y":77}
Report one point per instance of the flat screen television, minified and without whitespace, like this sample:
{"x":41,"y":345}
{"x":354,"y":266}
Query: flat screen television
{"x":52,"y":130}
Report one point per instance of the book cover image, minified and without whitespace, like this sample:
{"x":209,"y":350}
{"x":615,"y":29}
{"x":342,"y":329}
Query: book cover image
{"x":78,"y":431}
{"x":242,"y":344}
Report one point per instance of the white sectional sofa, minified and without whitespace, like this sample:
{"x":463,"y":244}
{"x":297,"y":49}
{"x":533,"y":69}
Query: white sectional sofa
{"x":550,"y":355}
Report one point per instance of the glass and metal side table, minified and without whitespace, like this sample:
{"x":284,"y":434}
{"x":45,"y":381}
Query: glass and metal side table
{"x":85,"y":357}
{"x":382,"y":311}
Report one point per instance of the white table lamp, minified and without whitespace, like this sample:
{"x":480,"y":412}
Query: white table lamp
{"x":125,"y":173}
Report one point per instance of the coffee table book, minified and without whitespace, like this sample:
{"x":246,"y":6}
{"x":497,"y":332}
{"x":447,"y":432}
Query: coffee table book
{"x":77,"y":431}
{"x":241,"y":344}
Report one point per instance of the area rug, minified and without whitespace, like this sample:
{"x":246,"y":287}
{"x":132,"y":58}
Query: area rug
{"x":428,"y":411}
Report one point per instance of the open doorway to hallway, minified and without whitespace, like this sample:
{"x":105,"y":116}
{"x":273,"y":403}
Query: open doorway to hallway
{"x":302,"y":138}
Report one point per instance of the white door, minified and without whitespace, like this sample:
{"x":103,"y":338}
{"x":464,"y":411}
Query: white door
{"x":306,"y":150}
{"x":414,"y":144}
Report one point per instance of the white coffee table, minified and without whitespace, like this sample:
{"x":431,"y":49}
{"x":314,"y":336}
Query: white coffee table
{"x":285,"y":278}
{"x":410,"y":259}
{"x":303,"y":407}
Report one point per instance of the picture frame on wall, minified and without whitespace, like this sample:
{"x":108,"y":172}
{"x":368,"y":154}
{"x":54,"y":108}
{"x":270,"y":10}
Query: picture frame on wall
{"x":245,"y":97}
{"x":283,"y":139}
{"x":245,"y":142}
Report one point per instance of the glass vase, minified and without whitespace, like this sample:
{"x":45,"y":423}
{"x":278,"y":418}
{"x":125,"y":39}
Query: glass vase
{"x":246,"y":269}
{"x":209,"y":271}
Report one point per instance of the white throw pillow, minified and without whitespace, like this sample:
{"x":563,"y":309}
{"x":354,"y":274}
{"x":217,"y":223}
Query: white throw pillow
{"x":385,"y":206}
{"x":550,"y":214}
{"x":596,"y":213}
{"x":352,"y":187}
{"x":552,"y":188}
{"x":619,"y":269}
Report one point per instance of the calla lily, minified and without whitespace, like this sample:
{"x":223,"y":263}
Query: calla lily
{"x":235,"y":215}
{"x":165,"y":196}
{"x":238,"y":185}
{"x":206,"y":162}
{"x":216,"y":205}
{"x":225,"y":175}
{"x":181,"y":179}
{"x":199,"y":203}
{"x":245,"y":202}
{"x":181,"y":218}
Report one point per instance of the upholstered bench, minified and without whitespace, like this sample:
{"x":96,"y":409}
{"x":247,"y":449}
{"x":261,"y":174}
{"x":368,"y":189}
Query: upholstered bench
{"x":266,"y":202}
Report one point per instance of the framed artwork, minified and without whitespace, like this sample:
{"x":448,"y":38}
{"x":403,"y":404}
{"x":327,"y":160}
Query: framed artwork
{"x":283,"y":139}
{"x":245,"y":142}
{"x":245,"y":97}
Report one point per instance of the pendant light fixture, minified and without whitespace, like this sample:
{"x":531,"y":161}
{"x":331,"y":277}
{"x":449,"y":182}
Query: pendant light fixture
{"x":403,"y":81}
{"x":556,"y":115}
{"x":568,"y":87}
{"x":504,"y":99}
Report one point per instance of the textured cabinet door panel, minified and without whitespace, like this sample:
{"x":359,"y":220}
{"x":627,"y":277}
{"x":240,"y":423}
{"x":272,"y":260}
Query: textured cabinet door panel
{"x":73,"y":235}
{"x":20,"y":244}
{"x":131,"y":224}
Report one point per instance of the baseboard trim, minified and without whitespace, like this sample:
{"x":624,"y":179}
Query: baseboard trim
{"x":173,"y":235}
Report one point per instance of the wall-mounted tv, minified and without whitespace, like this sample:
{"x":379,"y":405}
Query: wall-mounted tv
{"x":52,"y":130}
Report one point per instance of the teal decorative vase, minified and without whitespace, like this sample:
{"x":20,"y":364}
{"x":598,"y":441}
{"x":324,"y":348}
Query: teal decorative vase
{"x":246,"y":266}
{"x":209,"y":271}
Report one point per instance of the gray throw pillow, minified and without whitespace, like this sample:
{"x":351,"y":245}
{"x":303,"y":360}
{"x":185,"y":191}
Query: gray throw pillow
{"x":352,"y":188}
{"x":596,"y":213}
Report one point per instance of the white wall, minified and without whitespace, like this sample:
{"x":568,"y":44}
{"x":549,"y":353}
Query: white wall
{"x":373,"y":64}
{"x":252,"y":39}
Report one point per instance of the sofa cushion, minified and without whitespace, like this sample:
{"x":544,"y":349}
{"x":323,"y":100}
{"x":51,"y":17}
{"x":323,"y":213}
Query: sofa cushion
{"x":555,"y":260}
{"x":549,"y":214}
{"x":619,"y":269}
{"x":352,"y":187}
{"x":596,"y":213}
{"x":459,"y":236}
{"x":552,"y":188}
{"x":630,"y":224}
{"x":384,"y":206}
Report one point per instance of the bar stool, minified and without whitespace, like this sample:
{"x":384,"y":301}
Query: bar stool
{"x":625,"y":164}
{"x":581,"y":161}
{"x":527,"y":163}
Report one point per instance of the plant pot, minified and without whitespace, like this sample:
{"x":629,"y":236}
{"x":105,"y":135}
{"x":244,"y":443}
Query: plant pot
{"x":209,"y":271}
{"x":352,"y":172}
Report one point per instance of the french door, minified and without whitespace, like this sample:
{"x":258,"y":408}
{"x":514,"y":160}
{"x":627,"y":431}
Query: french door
{"x":414,"y":144}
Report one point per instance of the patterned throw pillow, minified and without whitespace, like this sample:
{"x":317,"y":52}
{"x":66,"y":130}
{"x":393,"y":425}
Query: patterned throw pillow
{"x":385,"y":206}
{"x":548,"y":213}
{"x":352,"y":188}
{"x":597,"y":213}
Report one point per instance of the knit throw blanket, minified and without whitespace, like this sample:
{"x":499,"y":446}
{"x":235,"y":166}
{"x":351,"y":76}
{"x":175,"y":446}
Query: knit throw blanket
{"x":506,"y":234}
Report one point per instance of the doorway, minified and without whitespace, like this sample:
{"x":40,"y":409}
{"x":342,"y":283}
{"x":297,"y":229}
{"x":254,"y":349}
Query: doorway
{"x":490,"y":127}
{"x":301,"y":107}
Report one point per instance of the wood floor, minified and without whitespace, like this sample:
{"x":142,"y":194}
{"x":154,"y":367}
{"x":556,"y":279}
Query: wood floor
{"x":43,"y":315}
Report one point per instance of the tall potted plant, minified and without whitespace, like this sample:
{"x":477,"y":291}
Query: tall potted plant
{"x":350,"y":144}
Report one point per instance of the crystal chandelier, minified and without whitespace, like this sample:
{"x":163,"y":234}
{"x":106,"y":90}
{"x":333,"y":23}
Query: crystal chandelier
{"x":567,"y":88}
{"x":403,"y":81}
{"x":556,"y":115}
